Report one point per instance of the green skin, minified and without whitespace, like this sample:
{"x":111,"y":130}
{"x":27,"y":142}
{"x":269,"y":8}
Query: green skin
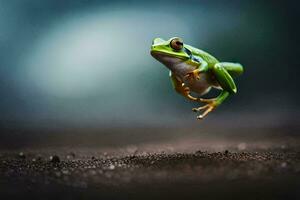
{"x":192,"y":69}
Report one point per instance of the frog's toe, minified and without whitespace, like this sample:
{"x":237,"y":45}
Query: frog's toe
{"x":210,"y":108}
{"x":200,"y":108}
{"x":200,"y":117}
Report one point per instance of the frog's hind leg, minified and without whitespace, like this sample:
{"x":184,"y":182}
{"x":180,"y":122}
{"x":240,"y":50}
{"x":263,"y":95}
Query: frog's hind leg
{"x":234,"y":69}
{"x":180,"y":87}
{"x":224,"y":78}
{"x":223,"y":72}
{"x":207,"y":108}
{"x":211,"y":104}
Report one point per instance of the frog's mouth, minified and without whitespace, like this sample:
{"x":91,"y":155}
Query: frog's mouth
{"x":166,"y":58}
{"x":159,"y":54}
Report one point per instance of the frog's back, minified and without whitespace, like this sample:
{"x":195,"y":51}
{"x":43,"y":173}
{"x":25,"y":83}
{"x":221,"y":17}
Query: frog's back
{"x":204,"y":55}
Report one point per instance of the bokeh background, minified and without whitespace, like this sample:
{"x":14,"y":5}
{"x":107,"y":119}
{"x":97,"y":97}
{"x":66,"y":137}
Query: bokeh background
{"x":78,"y":67}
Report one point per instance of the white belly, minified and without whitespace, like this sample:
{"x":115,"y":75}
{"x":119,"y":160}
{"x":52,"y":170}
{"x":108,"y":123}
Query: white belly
{"x":201,"y":86}
{"x":181,"y":68}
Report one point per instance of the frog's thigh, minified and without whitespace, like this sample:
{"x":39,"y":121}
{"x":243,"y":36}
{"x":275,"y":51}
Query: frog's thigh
{"x":224,"y":78}
{"x":180,"y":88}
{"x":234,"y":69}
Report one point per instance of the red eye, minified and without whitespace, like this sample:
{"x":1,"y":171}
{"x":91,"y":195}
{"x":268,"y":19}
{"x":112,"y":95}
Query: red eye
{"x":176,"y":44}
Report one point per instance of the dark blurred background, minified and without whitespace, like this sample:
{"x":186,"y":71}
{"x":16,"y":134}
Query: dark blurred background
{"x":82,"y":67}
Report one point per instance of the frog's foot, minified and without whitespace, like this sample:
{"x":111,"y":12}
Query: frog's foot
{"x":185,"y":91}
{"x":193,"y":74}
{"x":210,"y":106}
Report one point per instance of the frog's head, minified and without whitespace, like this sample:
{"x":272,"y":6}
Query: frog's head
{"x":169,"y":51}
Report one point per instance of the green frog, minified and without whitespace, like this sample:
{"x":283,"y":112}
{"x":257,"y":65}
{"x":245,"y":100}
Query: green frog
{"x":194,"y":70}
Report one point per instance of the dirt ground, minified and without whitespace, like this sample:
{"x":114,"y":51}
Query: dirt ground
{"x":235,"y":171}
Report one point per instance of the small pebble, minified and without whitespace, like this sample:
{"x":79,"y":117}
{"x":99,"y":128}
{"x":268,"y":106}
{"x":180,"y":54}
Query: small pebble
{"x":54,"y":159}
{"x":226,"y":152}
{"x":39,"y":157}
{"x":22,"y":155}
{"x":71,"y":156}
{"x":111,"y":167}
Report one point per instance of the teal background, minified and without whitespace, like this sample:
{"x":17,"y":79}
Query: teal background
{"x":86,"y":64}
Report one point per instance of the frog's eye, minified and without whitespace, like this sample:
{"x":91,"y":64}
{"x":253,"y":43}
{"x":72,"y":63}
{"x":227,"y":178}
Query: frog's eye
{"x":176,"y":44}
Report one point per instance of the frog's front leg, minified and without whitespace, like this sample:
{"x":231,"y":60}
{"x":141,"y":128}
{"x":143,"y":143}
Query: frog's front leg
{"x":226,"y":82}
{"x":195,"y":74}
{"x":180,"y":87}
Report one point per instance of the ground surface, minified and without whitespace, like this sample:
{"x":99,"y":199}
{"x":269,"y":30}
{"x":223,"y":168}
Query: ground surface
{"x":242,"y":172}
